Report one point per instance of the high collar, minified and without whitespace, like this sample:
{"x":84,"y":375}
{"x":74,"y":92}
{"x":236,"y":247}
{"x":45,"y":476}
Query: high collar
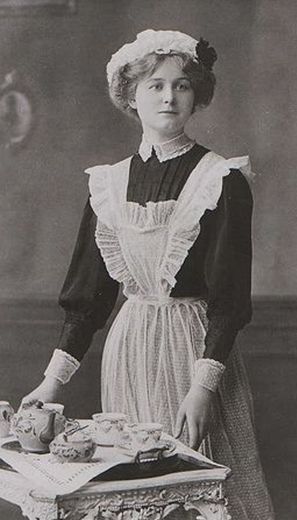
{"x":166,"y":150}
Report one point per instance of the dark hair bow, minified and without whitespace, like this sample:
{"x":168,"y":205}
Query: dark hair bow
{"x":205,"y":54}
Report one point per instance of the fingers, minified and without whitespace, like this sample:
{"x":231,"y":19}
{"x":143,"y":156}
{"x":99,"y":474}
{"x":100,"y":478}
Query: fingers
{"x":180,"y":421}
{"x":194,"y":437}
{"x":28,"y":401}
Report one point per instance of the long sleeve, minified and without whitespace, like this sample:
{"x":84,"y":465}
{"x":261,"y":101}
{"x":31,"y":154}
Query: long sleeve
{"x":89,"y":294}
{"x":228,"y":267}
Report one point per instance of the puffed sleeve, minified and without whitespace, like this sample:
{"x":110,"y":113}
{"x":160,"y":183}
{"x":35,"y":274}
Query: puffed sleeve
{"x":228,"y":267}
{"x":89,"y":294}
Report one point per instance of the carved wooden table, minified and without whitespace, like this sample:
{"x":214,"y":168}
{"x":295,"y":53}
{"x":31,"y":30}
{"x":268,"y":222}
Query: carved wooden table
{"x":143,"y":499}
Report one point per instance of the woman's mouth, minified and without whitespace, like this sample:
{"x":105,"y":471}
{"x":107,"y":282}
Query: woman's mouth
{"x":168,"y":112}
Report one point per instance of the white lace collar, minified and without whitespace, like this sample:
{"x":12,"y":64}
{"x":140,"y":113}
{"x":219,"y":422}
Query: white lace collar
{"x":167,"y":150}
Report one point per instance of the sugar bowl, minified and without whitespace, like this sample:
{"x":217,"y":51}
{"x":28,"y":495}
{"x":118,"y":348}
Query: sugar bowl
{"x":72,"y":447}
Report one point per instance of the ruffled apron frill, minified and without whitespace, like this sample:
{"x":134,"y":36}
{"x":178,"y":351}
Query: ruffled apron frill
{"x":149,"y":354}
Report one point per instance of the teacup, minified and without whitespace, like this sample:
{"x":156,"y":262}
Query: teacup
{"x":144,"y":436}
{"x":6,"y":413}
{"x":55,"y":407}
{"x":108,"y":427}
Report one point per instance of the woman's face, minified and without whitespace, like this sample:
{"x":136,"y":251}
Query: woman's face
{"x":164,"y":101}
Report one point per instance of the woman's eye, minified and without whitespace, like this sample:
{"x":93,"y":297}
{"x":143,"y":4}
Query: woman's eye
{"x":156,"y":86}
{"x":183,"y":86}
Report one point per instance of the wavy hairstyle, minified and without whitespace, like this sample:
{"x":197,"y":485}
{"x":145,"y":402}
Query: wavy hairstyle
{"x":125,"y":80}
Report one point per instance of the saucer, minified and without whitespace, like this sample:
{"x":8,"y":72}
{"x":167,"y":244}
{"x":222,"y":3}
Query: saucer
{"x":17,"y":448}
{"x":12,"y":446}
{"x":166,"y":447}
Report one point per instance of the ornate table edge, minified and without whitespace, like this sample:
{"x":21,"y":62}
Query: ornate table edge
{"x":150,"y":503}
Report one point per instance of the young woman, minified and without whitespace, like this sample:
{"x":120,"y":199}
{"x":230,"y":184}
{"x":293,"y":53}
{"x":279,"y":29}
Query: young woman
{"x":173,"y":225}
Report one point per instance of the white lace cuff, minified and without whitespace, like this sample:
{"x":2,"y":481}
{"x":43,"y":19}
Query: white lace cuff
{"x":62,"y":366}
{"x":208,"y":373}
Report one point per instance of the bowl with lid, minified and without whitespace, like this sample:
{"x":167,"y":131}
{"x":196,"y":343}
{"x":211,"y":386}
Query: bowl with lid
{"x":73,"y":447}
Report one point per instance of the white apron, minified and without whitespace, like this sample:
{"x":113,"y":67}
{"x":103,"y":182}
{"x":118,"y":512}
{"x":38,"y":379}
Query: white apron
{"x":150,"y":350}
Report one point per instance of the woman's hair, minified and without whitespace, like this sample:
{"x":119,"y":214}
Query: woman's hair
{"x":124,"y":82}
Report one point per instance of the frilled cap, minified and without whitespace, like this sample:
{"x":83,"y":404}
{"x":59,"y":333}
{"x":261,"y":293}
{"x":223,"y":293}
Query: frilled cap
{"x":160,"y":42}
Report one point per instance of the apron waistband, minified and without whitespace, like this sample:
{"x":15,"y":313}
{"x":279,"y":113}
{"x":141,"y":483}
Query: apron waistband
{"x":162,"y":300}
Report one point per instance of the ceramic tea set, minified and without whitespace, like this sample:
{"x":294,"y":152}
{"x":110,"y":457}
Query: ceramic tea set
{"x":40,"y":428}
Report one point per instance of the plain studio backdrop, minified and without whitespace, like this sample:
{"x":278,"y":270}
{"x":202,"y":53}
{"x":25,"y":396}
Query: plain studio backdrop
{"x":60,"y":62}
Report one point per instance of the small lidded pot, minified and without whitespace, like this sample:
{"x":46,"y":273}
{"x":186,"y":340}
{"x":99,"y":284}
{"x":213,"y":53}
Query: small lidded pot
{"x":6,"y":414}
{"x":108,"y":427}
{"x":73,"y":447}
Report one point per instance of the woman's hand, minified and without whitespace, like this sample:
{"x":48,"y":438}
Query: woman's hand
{"x":47,"y":392}
{"x":195,"y":409}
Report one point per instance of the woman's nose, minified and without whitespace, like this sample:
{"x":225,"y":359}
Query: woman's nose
{"x":168,"y":95}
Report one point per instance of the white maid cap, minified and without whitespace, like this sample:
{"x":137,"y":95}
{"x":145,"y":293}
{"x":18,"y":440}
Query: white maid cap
{"x":159,"y":42}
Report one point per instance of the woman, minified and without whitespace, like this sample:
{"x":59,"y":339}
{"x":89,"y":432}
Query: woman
{"x":172,"y":224}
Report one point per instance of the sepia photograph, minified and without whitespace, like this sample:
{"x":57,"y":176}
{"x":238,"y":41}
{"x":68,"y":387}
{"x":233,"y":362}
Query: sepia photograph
{"x":148,"y":260}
